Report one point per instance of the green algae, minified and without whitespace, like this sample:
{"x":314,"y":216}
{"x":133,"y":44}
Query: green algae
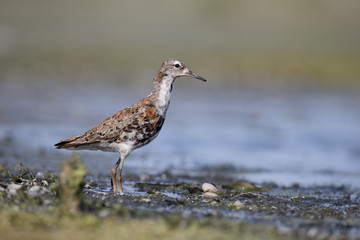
{"x":245,"y":186}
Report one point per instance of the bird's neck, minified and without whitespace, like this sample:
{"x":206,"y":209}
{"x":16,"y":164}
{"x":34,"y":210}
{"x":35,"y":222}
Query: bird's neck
{"x":162,"y":92}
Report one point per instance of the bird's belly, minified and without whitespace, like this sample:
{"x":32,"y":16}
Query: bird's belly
{"x":102,"y":146}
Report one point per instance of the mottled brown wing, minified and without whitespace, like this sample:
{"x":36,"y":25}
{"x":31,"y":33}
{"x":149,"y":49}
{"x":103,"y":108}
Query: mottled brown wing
{"x":108,"y":130}
{"x":144,"y":127}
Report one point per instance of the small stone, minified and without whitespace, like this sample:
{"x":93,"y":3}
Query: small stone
{"x":12,"y":189}
{"x":274,"y":208}
{"x":146,"y":200}
{"x":208,"y":187}
{"x":14,"y":186}
{"x":237,"y":203}
{"x":44,"y":183}
{"x":36,"y":191}
{"x":253,"y":207}
{"x":210,"y":195}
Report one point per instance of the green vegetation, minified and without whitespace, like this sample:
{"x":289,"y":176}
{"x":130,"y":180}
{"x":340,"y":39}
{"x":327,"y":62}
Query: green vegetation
{"x":261,"y":43}
{"x":72,"y":178}
{"x":21,"y":225}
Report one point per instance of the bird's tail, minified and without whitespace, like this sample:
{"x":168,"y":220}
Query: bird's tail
{"x":68,"y":143}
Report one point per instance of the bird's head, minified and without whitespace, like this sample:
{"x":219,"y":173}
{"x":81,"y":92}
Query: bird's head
{"x":175,"y":68}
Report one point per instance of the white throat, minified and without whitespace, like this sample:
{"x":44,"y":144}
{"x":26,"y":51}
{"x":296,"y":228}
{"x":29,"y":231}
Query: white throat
{"x":164,"y":94}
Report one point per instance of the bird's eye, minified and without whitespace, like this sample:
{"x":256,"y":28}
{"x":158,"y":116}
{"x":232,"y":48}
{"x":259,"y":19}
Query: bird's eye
{"x":177,"y":65}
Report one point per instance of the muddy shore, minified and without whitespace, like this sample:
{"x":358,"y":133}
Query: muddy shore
{"x":172,"y":205}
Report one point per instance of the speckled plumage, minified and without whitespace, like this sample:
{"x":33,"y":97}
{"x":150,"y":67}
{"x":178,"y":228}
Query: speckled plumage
{"x":134,"y":126}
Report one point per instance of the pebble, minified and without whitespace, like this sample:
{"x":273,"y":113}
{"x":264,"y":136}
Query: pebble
{"x":274,"y":208}
{"x":45,"y":183}
{"x":237,"y":203}
{"x":147,"y":200}
{"x":12,"y":186}
{"x":12,"y":189}
{"x":210,"y":195}
{"x":253,"y":207}
{"x":210,"y":188}
{"x":36,"y":191}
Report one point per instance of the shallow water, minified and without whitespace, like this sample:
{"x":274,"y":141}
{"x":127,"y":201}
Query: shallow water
{"x":286,"y":137}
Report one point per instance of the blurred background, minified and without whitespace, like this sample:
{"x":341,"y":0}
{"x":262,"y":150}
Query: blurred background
{"x":281,"y":102}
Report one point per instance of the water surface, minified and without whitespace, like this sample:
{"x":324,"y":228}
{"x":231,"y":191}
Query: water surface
{"x":284,"y":137}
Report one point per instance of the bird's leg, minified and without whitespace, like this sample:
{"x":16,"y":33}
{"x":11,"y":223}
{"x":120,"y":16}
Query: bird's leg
{"x":113,"y":175}
{"x":118,"y":176}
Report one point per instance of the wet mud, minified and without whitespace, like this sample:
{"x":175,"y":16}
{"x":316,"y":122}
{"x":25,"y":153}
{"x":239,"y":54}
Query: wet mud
{"x":178,"y":203}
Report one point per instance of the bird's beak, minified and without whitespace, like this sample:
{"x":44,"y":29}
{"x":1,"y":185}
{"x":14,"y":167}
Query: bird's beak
{"x":193,"y":75}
